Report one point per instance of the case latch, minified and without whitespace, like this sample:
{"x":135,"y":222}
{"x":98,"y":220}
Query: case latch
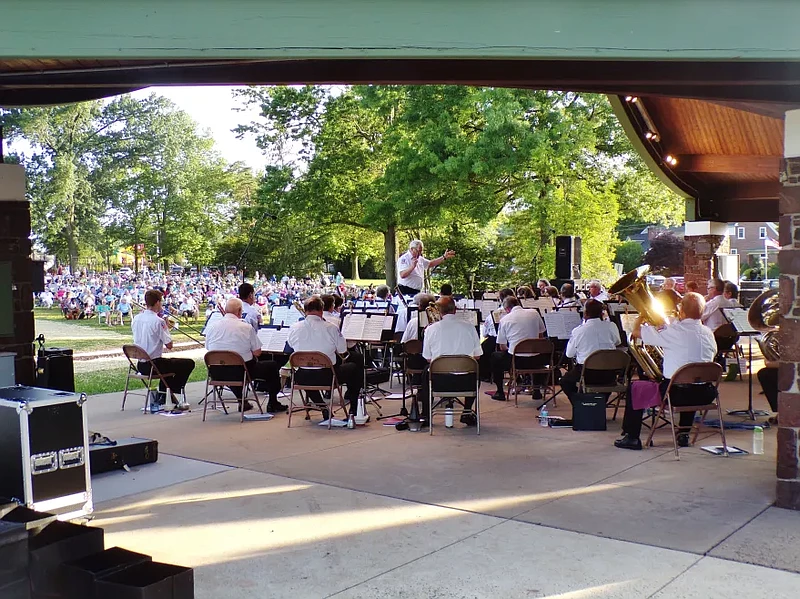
{"x":42,"y":463}
{"x":70,"y":458}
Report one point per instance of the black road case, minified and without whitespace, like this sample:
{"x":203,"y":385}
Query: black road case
{"x":44,"y":450}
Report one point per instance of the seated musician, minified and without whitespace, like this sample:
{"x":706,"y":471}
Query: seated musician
{"x":231,"y":333}
{"x":449,"y":337}
{"x":517,"y":325}
{"x":422,"y":300}
{"x":315,"y":334}
{"x":382,"y":295}
{"x":594,"y":334}
{"x":525,"y":292}
{"x":552,"y":293}
{"x":489,"y":343}
{"x":251,"y":313}
{"x":446,"y":290}
{"x":668,"y":296}
{"x":596,"y":291}
{"x":568,"y":298}
{"x":768,"y":378}
{"x":329,"y":306}
{"x":684,"y":341}
{"x":541,"y":287}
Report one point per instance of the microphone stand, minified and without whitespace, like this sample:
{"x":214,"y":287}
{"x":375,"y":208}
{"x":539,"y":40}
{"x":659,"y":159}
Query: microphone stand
{"x":240,"y":262}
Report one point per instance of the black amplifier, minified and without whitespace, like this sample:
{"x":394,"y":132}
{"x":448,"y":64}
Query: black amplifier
{"x":44,"y":450}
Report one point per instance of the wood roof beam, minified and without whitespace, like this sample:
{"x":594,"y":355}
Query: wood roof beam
{"x":716,"y":163}
{"x":767,"y":190}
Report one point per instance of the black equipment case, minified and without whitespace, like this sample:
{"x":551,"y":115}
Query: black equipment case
{"x":127,"y":452}
{"x":589,"y":412}
{"x":44,"y":450}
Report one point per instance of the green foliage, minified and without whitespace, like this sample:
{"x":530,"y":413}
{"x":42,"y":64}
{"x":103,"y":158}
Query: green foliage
{"x":630,"y":255}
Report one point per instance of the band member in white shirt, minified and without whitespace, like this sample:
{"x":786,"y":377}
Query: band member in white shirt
{"x":422,"y":300}
{"x":568,"y":298}
{"x":684,"y":341}
{"x":151,"y":333}
{"x":519,"y":324}
{"x":713,"y":316}
{"x":489,"y":343}
{"x":315,"y":334}
{"x":412,"y":265}
{"x":449,"y":337}
{"x":596,"y":291}
{"x":231,"y":333}
{"x":251,"y":313}
{"x":594,"y":334}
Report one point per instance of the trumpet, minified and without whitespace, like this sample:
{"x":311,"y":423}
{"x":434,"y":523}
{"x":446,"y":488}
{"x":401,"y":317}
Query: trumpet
{"x":633,"y":287}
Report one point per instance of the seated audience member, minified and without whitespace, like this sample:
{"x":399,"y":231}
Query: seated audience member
{"x":231,"y":333}
{"x":594,"y":334}
{"x":315,"y":334}
{"x":684,"y":341}
{"x":518,"y":324}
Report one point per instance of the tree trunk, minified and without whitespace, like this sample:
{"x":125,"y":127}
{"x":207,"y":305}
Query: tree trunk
{"x":72,"y":248}
{"x":354,"y":262}
{"x":390,"y":255}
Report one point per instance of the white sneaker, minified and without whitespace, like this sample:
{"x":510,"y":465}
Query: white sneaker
{"x":335,"y":422}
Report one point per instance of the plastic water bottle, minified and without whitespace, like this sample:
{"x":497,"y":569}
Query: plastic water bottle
{"x":543,"y":420}
{"x":758,"y":440}
{"x":448,"y":417}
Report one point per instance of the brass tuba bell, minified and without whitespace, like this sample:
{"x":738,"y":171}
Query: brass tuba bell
{"x":763,"y":316}
{"x":633,"y":287}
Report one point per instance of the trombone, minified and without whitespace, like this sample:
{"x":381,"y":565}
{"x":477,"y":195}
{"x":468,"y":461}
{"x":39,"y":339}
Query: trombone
{"x":176,"y":323}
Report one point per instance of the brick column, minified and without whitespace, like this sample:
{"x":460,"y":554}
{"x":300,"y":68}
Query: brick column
{"x":701,"y":241}
{"x":787,"y":494}
{"x":15,"y":247}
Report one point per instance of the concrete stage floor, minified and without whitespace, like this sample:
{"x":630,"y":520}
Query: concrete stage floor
{"x":260,"y":510}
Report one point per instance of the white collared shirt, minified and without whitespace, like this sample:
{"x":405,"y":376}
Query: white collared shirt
{"x":231,"y":333}
{"x":451,"y":337}
{"x":412,"y":330}
{"x":713,"y":317}
{"x":315,"y":334}
{"x":600,"y":297}
{"x":518,"y":325}
{"x":251,"y":315}
{"x":150,"y":332}
{"x":590,"y":336}
{"x":683,"y":342}
{"x":416,"y":277}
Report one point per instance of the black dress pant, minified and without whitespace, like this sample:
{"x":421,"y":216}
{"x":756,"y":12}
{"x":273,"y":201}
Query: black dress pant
{"x":485,"y":362}
{"x":681,"y":395}
{"x":350,"y":374}
{"x":181,"y":369}
{"x":501,"y":363}
{"x":259,"y":370}
{"x":571,"y":379}
{"x":444,"y":382}
{"x":768,"y":377}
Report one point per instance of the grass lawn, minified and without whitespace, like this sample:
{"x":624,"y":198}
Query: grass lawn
{"x":111,"y":380}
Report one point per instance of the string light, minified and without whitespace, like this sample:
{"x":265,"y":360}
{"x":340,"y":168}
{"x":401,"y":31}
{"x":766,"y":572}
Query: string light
{"x":670,"y":159}
{"x":631,"y":99}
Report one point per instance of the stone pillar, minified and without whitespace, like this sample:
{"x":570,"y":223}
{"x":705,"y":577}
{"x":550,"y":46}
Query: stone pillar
{"x":787,"y":494}
{"x":701,"y":241}
{"x":15,"y":248}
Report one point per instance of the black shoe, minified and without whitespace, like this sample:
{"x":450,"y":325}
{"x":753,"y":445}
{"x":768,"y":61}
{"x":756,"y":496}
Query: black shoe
{"x":498,"y":397}
{"x":276,"y":408}
{"x":401,"y":426}
{"x":247,"y":406}
{"x":325,"y":415}
{"x":469,"y":419}
{"x":628,"y":442}
{"x":537,"y":394}
{"x":683,"y":440}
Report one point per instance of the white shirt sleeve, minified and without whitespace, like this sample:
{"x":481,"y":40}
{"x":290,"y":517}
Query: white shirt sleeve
{"x":651,"y":336}
{"x":501,"y":334}
{"x":411,"y":331}
{"x":403,"y":263}
{"x":425,"y":262}
{"x":341,"y":344}
{"x":165,"y":336}
{"x":572,"y":344}
{"x":255,"y":342}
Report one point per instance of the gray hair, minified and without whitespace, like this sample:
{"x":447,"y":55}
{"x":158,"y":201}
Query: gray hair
{"x":415,"y":243}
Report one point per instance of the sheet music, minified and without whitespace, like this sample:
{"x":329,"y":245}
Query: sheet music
{"x":487,"y":307}
{"x":491,"y":295}
{"x":628,"y":321}
{"x":388,"y":323}
{"x":468,"y":316}
{"x":738,"y":318}
{"x":353,"y":326}
{"x":619,"y":308}
{"x":543,"y":304}
{"x":285,"y":314}
{"x":561,"y":324}
{"x":528,"y":302}
{"x":373,"y":329}
{"x":273,"y":340}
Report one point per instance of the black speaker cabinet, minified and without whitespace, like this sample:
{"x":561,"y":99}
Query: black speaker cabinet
{"x":568,"y":257}
{"x":37,"y":276}
{"x":589,"y":412}
{"x":55,"y":369}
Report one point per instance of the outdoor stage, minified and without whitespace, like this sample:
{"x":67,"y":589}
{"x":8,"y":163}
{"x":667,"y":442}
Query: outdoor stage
{"x":260,"y":510}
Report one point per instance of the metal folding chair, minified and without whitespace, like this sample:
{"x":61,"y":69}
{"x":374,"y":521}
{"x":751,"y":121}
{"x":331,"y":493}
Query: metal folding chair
{"x":527,"y":348}
{"x":135,"y":354}
{"x":695,"y":373}
{"x":614,"y":362}
{"x":313,"y":360}
{"x":227,"y":358}
{"x":453,"y":365}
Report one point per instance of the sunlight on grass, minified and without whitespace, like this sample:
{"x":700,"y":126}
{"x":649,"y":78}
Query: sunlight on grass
{"x":112,"y":380}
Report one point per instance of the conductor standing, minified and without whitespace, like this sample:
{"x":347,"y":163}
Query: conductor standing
{"x":412,"y":265}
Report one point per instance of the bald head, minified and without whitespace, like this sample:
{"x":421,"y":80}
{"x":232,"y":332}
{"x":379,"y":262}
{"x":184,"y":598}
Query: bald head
{"x":447,"y":305}
{"x":692,"y":306}
{"x":233,"y":306}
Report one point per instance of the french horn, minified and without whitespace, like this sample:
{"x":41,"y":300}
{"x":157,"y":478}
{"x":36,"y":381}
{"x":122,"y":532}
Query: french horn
{"x":763,"y":316}
{"x":633,"y":287}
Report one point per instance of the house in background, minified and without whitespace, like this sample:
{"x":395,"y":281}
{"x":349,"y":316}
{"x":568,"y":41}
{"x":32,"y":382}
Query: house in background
{"x":752,"y":240}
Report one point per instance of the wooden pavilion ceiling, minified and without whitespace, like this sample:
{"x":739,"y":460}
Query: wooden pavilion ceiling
{"x":722,"y":122}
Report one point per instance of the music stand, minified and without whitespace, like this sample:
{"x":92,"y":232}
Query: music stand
{"x":738,"y":318}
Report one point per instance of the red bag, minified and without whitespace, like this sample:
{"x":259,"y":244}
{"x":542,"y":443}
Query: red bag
{"x":645,"y":394}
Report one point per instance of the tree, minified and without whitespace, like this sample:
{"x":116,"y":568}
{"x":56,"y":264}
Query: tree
{"x":629,"y":254}
{"x":665,"y":254}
